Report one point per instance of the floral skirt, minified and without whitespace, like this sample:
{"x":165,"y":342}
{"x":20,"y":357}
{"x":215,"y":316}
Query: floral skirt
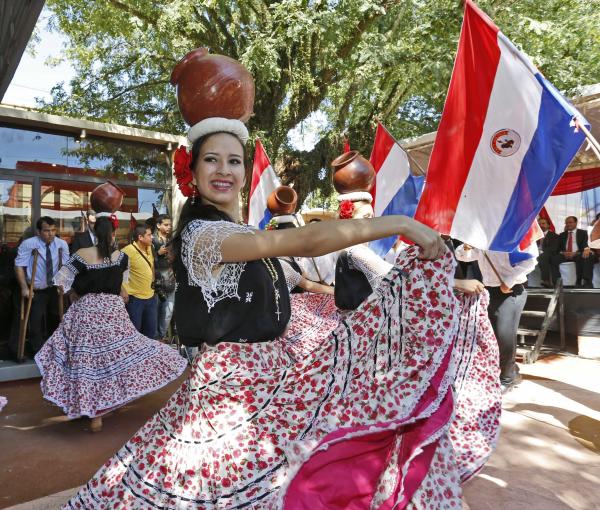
{"x":361,"y":421}
{"x":96,"y":360}
{"x":314,"y":317}
{"x":476,"y":424}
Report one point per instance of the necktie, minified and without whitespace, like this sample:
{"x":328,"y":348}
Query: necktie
{"x":49,"y":266}
{"x":570,"y":242}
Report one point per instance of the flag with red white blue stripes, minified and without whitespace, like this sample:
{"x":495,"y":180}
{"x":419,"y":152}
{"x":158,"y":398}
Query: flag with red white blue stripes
{"x":505,"y":138}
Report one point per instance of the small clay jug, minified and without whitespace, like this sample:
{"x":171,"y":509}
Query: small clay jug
{"x":352,"y":172}
{"x":282,"y":200}
{"x":107,"y":197}
{"x":210,"y":85}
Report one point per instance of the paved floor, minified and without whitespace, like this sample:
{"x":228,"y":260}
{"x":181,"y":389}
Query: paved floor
{"x":548,"y":457}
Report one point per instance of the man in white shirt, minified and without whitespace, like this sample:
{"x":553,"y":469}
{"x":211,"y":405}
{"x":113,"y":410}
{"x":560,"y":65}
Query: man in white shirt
{"x":53,"y":252}
{"x":508,"y":295}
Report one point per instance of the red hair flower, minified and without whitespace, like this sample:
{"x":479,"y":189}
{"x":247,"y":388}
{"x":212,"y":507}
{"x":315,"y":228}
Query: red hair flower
{"x":182,"y":169}
{"x":346,"y":209}
{"x":114,"y":220}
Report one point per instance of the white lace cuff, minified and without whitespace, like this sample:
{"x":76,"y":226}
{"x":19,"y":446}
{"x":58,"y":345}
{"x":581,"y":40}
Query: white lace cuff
{"x":201,"y":255}
{"x":371,"y":265}
{"x":292,"y":277}
{"x":65,"y":277}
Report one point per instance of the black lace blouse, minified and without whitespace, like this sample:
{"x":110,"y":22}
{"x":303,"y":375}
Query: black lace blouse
{"x":226,"y":302}
{"x":85,"y":278}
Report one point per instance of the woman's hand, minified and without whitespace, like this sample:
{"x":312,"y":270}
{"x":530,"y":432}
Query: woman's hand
{"x":469,"y":287}
{"x":431,"y":243}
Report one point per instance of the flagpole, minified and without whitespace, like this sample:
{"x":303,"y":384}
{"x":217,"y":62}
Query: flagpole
{"x":590,"y":137}
{"x":412,"y":160}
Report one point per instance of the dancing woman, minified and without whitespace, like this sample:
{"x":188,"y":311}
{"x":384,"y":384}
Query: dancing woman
{"x":360,"y":422}
{"x":96,"y":360}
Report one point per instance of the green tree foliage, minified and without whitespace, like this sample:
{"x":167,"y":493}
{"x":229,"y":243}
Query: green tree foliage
{"x":354,"y":60}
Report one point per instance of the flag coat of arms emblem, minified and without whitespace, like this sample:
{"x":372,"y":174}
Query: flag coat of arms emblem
{"x":505,"y":138}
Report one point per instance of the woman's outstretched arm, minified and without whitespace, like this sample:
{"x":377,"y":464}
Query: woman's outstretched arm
{"x":328,"y":236}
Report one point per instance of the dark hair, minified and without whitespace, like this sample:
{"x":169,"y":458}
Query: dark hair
{"x":44,"y":219}
{"x":162,"y":217}
{"x":139,"y":230}
{"x":196,"y":210}
{"x":104,"y":229}
{"x":90,"y":212}
{"x":574,"y":217}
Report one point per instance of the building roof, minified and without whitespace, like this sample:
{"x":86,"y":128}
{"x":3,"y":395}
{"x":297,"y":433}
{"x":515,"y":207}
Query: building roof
{"x":17,"y":21}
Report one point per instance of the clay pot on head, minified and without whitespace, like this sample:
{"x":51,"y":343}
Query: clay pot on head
{"x":352,"y":172}
{"x":212,"y":86}
{"x":107,"y":197}
{"x":282,"y":200}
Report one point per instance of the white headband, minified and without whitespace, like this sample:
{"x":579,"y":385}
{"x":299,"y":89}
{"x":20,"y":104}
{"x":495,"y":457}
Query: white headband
{"x":356,"y":196}
{"x":285,"y":218}
{"x":216,"y":125}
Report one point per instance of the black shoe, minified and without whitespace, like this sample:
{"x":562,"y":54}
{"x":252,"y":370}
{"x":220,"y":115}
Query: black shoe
{"x":546,"y":284}
{"x":587,"y":284}
{"x":506,"y":386}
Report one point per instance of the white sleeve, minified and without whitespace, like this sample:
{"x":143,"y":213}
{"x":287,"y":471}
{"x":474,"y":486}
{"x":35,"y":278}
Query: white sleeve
{"x":466,"y":255}
{"x":371,"y":265}
{"x":519,"y":271}
{"x":126,"y":272}
{"x":201,"y":256}
{"x":292,"y":277}
{"x":66,"y":275}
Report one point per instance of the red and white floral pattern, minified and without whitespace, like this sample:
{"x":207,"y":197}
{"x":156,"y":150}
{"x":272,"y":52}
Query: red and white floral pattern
{"x":96,"y":360}
{"x":478,"y":400}
{"x":314,"y":317}
{"x":252,"y":426}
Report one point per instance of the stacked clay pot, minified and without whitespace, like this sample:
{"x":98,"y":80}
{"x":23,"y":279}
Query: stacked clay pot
{"x":212,"y":86}
{"x":352,"y":172}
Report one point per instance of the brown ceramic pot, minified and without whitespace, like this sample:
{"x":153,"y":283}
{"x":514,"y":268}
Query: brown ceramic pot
{"x":352,"y":172}
{"x":107,"y":197}
{"x":212,"y":86}
{"x":282,"y":200}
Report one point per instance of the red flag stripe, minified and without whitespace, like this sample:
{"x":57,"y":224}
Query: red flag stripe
{"x":458,"y":137}
{"x":261,"y":161}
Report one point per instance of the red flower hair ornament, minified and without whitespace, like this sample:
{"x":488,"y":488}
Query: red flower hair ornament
{"x":346,"y":209}
{"x":182,"y":169}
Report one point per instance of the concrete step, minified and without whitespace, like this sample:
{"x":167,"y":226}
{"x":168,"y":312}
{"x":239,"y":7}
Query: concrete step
{"x":533,"y":313}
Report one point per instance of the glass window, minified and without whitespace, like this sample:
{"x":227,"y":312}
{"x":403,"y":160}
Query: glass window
{"x":15,"y":212}
{"x":22,"y":149}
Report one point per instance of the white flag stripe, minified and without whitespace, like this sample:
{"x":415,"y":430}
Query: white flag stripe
{"x":478,"y":218}
{"x":258,"y":202}
{"x":391,"y":177}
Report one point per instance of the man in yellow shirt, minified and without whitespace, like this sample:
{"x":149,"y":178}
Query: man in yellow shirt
{"x":142,"y":304}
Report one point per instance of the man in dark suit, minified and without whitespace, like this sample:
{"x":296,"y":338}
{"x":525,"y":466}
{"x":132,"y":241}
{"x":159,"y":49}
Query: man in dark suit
{"x":548,"y":248}
{"x":85,"y":239}
{"x":573,"y":247}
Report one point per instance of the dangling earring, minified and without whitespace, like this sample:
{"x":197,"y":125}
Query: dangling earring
{"x":195,"y":193}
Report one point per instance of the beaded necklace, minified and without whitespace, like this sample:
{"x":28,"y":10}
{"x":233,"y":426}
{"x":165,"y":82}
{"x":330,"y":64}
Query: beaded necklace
{"x":275,"y":277}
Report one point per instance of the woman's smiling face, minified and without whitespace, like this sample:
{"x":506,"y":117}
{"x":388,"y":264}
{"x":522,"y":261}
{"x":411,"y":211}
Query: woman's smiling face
{"x":219,"y":172}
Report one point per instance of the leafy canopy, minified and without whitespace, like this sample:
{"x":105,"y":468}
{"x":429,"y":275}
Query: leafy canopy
{"x":354,"y":60}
